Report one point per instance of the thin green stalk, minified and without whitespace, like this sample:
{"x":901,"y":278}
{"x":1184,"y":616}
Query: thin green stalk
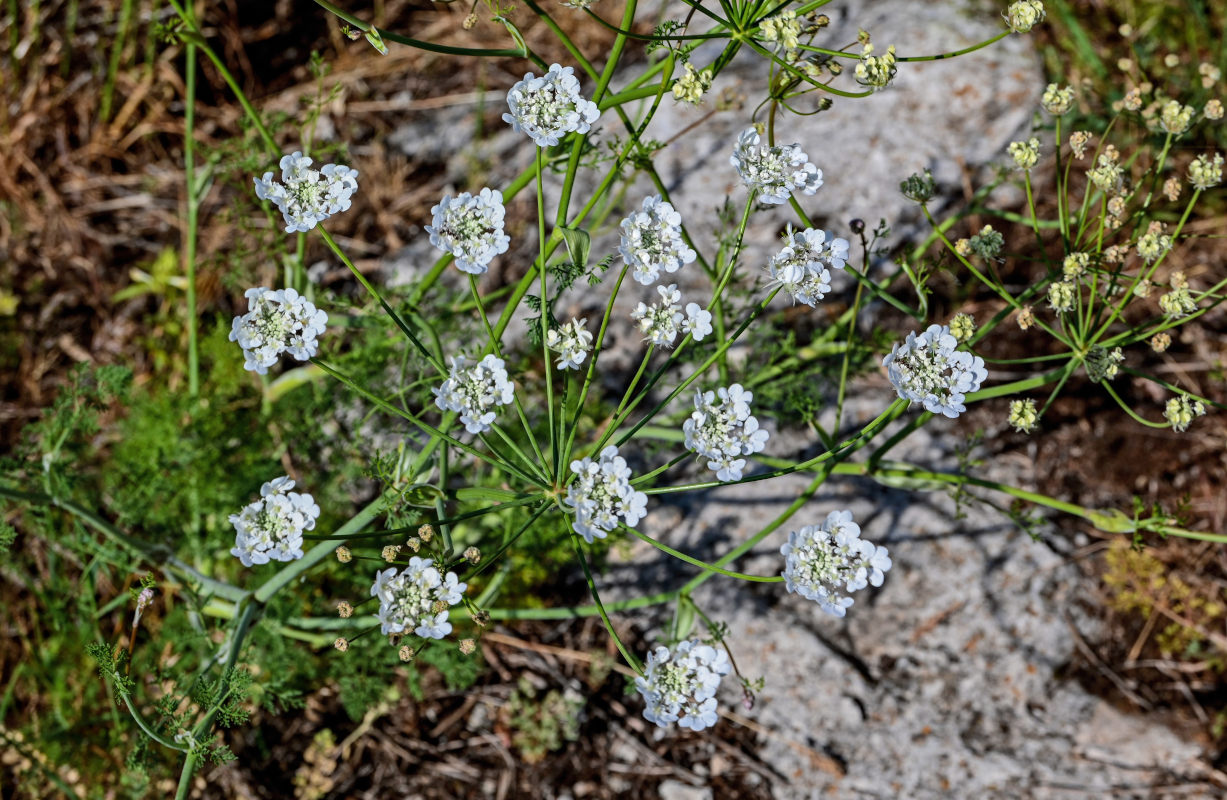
{"x":631,"y":661}
{"x":498,"y":351}
{"x":391,"y":312}
{"x":555,"y":445}
{"x":701,"y":564}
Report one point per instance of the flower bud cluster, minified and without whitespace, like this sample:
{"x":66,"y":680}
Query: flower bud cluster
{"x":1057,"y":100}
{"x":470,"y":227}
{"x":825,"y":563}
{"x":679,"y":685}
{"x":722,"y":430}
{"x":475,"y":391}
{"x":416,"y":598}
{"x":774,"y":172}
{"x":1181,"y":411}
{"x":271,"y":528}
{"x":1023,"y":415}
{"x":1206,"y":171}
{"x":876,"y":72}
{"x":1025,"y":154}
{"x":800,"y":267}
{"x":549,"y":107}
{"x":692,"y":85}
{"x":307,"y":197}
{"x":277,"y":321}
{"x":928,"y":369}
{"x":652,"y":241}
{"x":1023,"y":15}
{"x":601,"y":493}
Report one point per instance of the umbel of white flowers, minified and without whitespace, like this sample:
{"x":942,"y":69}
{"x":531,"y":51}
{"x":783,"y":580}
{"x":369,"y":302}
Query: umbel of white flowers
{"x":825,"y":563}
{"x":550,"y":107}
{"x":470,"y":227}
{"x":277,"y":321}
{"x":722,"y":430}
{"x":800,"y":267}
{"x":775,"y":172}
{"x":928,"y":369}
{"x":662,"y":321}
{"x":652,"y":241}
{"x":305,"y":196}
{"x":475,"y":391}
{"x":417,"y":599}
{"x":271,"y":528}
{"x":679,"y":685}
{"x":602,"y":493}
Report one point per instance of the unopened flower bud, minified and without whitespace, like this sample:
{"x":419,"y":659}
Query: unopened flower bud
{"x":341,"y":644}
{"x":391,"y":552}
{"x":344,"y":555}
{"x":425,"y":532}
{"x":467,"y":646}
{"x":1026,"y":317}
{"x":472,"y":555}
{"x":345,"y":610}
{"x":406,"y":653}
{"x":1160,"y":342}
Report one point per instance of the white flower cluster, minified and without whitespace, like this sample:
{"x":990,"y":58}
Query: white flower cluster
{"x":720,"y":431}
{"x":652,"y":241}
{"x":601,"y":493}
{"x":305,"y":196}
{"x":928,"y":369}
{"x":572,"y":342}
{"x":475,"y":390}
{"x":271,"y":528}
{"x":277,"y":321}
{"x":801,"y":265}
{"x":774,"y":172}
{"x":823,"y":562}
{"x":470,"y":227}
{"x":550,"y":107}
{"x":417,"y":598}
{"x":660,"y":322}
{"x":679,"y":685}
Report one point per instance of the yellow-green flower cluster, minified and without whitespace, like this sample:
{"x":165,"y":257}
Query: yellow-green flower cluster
{"x":784,"y":29}
{"x":1154,"y":244}
{"x":691,"y":87}
{"x":873,"y":71}
{"x":962,"y":327}
{"x":1057,"y":100}
{"x":1024,"y":15}
{"x":1107,"y":174}
{"x":1062,"y":295}
{"x":1025,"y":154}
{"x":1075,"y":265}
{"x":1176,"y":118}
{"x":1181,"y":411}
{"x":1023,"y":415}
{"x":1205,"y":171}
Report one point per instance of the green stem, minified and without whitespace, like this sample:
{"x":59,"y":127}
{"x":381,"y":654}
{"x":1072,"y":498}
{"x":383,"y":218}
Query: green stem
{"x":701,"y":564}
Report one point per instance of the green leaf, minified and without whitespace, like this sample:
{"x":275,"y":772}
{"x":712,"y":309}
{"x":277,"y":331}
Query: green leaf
{"x":515,"y":34}
{"x":422,"y":495}
{"x":579,"y":244}
{"x":291,"y":380}
{"x":1112,"y":520}
{"x":372,"y":36}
